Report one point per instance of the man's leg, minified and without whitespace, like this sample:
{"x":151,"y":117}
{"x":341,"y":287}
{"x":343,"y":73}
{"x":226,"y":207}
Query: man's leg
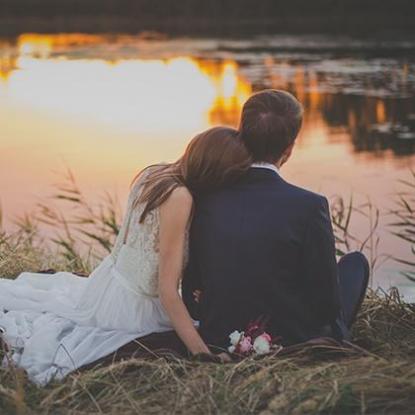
{"x":353,"y":280}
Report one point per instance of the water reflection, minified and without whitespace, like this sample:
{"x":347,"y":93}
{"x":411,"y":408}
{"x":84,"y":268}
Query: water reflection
{"x":135,"y":94}
{"x":375,"y":120}
{"x":231,"y":91}
{"x":49,"y":72}
{"x":109,"y":106}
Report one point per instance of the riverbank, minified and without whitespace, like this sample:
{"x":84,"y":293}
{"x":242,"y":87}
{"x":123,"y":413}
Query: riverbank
{"x":379,"y":378}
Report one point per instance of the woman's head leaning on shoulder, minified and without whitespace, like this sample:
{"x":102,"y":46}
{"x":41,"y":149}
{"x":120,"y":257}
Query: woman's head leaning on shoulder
{"x":213,"y":159}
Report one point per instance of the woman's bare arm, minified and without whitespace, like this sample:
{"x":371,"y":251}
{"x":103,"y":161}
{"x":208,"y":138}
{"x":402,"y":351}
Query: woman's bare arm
{"x":175,"y":215}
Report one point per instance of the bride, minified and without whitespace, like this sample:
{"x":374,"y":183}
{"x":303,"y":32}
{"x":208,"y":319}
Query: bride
{"x":53,"y":324}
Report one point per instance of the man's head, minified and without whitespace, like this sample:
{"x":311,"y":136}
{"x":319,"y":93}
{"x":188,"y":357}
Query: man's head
{"x":270,"y":122}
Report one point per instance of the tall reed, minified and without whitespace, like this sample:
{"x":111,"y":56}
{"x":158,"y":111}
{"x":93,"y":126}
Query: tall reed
{"x":83,"y":231}
{"x":403,"y":225}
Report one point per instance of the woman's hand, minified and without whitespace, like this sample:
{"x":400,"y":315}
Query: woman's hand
{"x":175,"y":216}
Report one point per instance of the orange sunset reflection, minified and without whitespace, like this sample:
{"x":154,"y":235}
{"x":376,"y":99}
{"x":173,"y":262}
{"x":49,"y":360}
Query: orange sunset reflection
{"x":132,"y":93}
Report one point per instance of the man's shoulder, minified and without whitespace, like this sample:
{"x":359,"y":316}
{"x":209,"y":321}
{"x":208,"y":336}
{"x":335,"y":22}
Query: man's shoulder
{"x":269,"y":190}
{"x":306,"y":196}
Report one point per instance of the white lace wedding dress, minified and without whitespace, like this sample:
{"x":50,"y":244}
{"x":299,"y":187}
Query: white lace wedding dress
{"x":58,"y":322}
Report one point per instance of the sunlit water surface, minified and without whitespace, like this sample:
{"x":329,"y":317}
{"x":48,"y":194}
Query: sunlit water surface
{"x":106,"y":106}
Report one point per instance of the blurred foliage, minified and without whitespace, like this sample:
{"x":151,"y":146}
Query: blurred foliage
{"x":85,"y":227}
{"x":344,"y":215}
{"x":212,"y":8}
{"x":404,"y":221}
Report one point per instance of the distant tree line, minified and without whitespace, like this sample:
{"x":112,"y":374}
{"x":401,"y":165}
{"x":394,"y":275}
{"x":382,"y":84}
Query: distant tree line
{"x":278,"y":14}
{"x":206,"y":8}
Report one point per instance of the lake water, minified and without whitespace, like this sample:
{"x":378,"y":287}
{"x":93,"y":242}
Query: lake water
{"x":106,"y":106}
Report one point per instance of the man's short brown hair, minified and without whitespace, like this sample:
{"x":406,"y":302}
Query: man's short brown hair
{"x":270,"y":122}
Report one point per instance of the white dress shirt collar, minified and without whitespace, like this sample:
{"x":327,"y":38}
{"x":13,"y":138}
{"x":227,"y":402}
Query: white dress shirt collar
{"x":264,"y":165}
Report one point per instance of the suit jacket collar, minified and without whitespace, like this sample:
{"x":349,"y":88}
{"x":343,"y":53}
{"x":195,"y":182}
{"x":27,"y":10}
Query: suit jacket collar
{"x":261,"y":174}
{"x":263,"y":165}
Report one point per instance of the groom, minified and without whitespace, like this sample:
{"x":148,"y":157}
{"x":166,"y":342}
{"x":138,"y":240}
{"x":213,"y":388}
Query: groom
{"x":264,"y":248}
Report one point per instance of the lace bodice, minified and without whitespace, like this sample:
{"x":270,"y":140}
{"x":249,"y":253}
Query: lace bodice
{"x":136,"y":249}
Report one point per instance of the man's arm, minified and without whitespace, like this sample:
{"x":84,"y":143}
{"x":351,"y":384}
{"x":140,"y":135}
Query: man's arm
{"x":320,"y":266}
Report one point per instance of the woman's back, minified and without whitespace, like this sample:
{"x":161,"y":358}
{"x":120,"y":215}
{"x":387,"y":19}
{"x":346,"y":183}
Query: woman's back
{"x":135,"y":252}
{"x":122,"y":292}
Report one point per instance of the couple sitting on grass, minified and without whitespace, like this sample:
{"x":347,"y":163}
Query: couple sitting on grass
{"x":217,"y":255}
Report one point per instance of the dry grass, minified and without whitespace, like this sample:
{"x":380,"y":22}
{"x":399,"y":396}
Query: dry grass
{"x":379,"y":379}
{"x":404,"y":221}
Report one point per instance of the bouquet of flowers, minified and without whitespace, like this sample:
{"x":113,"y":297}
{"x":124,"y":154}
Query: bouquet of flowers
{"x":254,"y":340}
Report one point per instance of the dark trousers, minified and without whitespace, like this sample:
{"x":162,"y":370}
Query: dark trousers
{"x":354,"y":274}
{"x":353,"y":281}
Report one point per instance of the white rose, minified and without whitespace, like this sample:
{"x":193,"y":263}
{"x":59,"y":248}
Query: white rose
{"x":235,"y":337}
{"x":262,"y":345}
{"x":231,"y":349}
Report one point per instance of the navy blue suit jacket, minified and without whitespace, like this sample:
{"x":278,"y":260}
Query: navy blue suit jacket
{"x":262,"y":248}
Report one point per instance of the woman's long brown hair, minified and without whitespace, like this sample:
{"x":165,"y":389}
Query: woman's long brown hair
{"x":213,"y":159}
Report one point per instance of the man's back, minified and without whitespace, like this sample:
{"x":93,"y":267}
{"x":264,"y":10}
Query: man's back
{"x":262,"y":248}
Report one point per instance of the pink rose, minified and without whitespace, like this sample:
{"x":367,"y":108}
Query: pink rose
{"x":245,"y":345}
